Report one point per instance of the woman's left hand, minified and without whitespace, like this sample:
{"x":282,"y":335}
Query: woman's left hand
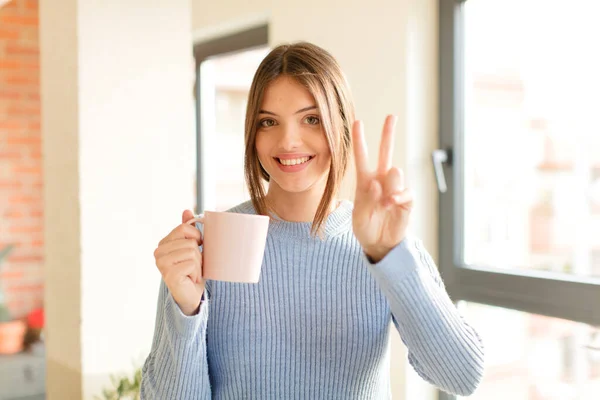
{"x":382,"y":204}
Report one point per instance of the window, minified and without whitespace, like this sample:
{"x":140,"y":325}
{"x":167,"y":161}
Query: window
{"x":224,"y":71}
{"x":531,"y":356}
{"x":520,"y":216}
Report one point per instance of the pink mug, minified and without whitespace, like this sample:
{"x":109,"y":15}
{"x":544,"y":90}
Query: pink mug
{"x":233,"y":245}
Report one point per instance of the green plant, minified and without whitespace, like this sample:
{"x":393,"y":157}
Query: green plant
{"x":4,"y":313}
{"x":5,"y":252}
{"x":124,"y":387}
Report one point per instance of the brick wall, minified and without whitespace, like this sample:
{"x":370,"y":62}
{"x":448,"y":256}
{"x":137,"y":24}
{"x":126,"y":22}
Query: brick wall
{"x":21,"y":213}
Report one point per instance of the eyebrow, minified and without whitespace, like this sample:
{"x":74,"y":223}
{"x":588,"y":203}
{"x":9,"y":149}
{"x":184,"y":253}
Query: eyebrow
{"x":297,"y":112}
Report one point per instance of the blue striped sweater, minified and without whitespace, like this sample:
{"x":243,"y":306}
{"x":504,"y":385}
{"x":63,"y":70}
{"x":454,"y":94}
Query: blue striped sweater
{"x":316,"y":326}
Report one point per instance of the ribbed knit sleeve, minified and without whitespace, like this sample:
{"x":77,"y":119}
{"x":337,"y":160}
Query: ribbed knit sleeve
{"x":177,"y":367}
{"x":443,"y":348}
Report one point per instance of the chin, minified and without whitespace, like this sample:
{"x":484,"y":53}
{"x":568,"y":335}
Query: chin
{"x":296,"y":187}
{"x":300,"y":185}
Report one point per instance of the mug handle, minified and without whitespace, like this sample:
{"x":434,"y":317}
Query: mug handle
{"x":192,"y":221}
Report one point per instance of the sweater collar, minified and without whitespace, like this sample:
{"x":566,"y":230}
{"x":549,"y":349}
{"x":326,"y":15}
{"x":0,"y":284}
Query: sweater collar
{"x":336,"y":223}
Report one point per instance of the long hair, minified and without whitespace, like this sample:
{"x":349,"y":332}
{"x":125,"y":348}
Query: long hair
{"x":317,"y":70}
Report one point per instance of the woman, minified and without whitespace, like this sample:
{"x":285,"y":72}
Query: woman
{"x":334,"y":273}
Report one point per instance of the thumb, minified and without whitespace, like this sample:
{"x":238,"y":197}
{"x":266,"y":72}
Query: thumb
{"x":186,"y":216}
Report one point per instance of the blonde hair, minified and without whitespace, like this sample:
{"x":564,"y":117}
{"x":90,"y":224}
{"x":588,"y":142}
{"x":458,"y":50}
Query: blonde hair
{"x":317,"y":70}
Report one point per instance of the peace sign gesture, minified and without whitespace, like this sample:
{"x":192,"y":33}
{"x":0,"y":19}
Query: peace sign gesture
{"x":382,"y":204}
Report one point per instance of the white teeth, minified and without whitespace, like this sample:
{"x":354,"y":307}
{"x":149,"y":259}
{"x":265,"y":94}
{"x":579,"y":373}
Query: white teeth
{"x":295,"y":161}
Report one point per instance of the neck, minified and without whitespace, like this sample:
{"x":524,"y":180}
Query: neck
{"x":296,"y":207}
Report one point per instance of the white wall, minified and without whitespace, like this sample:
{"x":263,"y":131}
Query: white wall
{"x":388,"y":50}
{"x":119,"y":151}
{"x":60,"y":141}
{"x":211,"y":18}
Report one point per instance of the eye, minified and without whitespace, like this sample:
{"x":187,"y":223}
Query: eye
{"x":312,"y":120}
{"x":267,"y":122}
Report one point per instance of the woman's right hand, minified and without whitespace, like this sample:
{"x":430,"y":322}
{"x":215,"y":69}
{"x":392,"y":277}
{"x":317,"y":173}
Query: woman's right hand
{"x":179,"y":261}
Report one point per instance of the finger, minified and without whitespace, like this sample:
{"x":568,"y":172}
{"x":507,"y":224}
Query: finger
{"x":174,"y":245}
{"x":393,"y":181}
{"x":360,"y":151}
{"x":184,"y":270}
{"x":180,"y":255}
{"x":167,"y":262}
{"x":386,"y":146}
{"x":404,"y":199}
{"x":365,"y":204}
{"x":183,"y":231}
{"x":186,"y":216}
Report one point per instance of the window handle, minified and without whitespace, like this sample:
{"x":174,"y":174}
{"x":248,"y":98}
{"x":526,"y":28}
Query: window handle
{"x":439,"y":157}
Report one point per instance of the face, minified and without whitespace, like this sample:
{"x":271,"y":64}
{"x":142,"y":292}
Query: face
{"x":290,"y":140}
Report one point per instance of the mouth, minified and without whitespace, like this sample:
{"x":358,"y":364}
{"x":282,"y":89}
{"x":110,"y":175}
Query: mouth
{"x":290,"y":162}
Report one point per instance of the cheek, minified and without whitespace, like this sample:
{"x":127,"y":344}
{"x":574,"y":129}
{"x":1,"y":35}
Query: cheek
{"x":318,"y":142}
{"x":324,"y":161}
{"x":327,"y":161}
{"x":325,"y":152}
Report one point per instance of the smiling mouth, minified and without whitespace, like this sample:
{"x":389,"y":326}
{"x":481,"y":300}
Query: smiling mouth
{"x":294,"y":161}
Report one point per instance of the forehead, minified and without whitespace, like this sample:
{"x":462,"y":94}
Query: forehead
{"x":286,"y":95}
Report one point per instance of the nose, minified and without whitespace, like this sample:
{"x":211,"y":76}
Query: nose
{"x":290,"y":138}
